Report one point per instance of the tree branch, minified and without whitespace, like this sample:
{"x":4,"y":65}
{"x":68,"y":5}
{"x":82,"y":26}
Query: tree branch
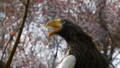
{"x":6,"y":47}
{"x":23,"y":3}
{"x":18,"y":36}
{"x":102,"y":6}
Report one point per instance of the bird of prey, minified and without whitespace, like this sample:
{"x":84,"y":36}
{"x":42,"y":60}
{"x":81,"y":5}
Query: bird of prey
{"x":81,"y":50}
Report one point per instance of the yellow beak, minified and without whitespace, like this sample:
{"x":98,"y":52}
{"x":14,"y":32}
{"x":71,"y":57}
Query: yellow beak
{"x":56,"y":24}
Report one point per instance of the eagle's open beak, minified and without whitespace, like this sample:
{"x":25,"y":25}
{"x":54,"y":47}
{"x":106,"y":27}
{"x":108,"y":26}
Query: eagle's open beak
{"x":56,"y":24}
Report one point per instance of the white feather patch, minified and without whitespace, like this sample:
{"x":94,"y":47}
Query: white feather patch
{"x":68,"y":62}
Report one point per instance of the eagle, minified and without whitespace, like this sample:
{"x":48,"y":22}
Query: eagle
{"x":81,"y":50}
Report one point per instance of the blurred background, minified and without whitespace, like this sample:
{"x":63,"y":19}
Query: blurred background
{"x":99,"y":18}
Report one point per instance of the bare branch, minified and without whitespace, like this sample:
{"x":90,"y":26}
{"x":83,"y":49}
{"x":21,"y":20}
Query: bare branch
{"x":18,"y":36}
{"x":23,"y":3}
{"x":6,"y":47}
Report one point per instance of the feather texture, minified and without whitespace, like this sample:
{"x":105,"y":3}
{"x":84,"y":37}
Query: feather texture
{"x":68,"y":62}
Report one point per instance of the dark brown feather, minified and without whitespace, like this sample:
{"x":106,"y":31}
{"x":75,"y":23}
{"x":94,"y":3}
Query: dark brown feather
{"x":82,"y":46}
